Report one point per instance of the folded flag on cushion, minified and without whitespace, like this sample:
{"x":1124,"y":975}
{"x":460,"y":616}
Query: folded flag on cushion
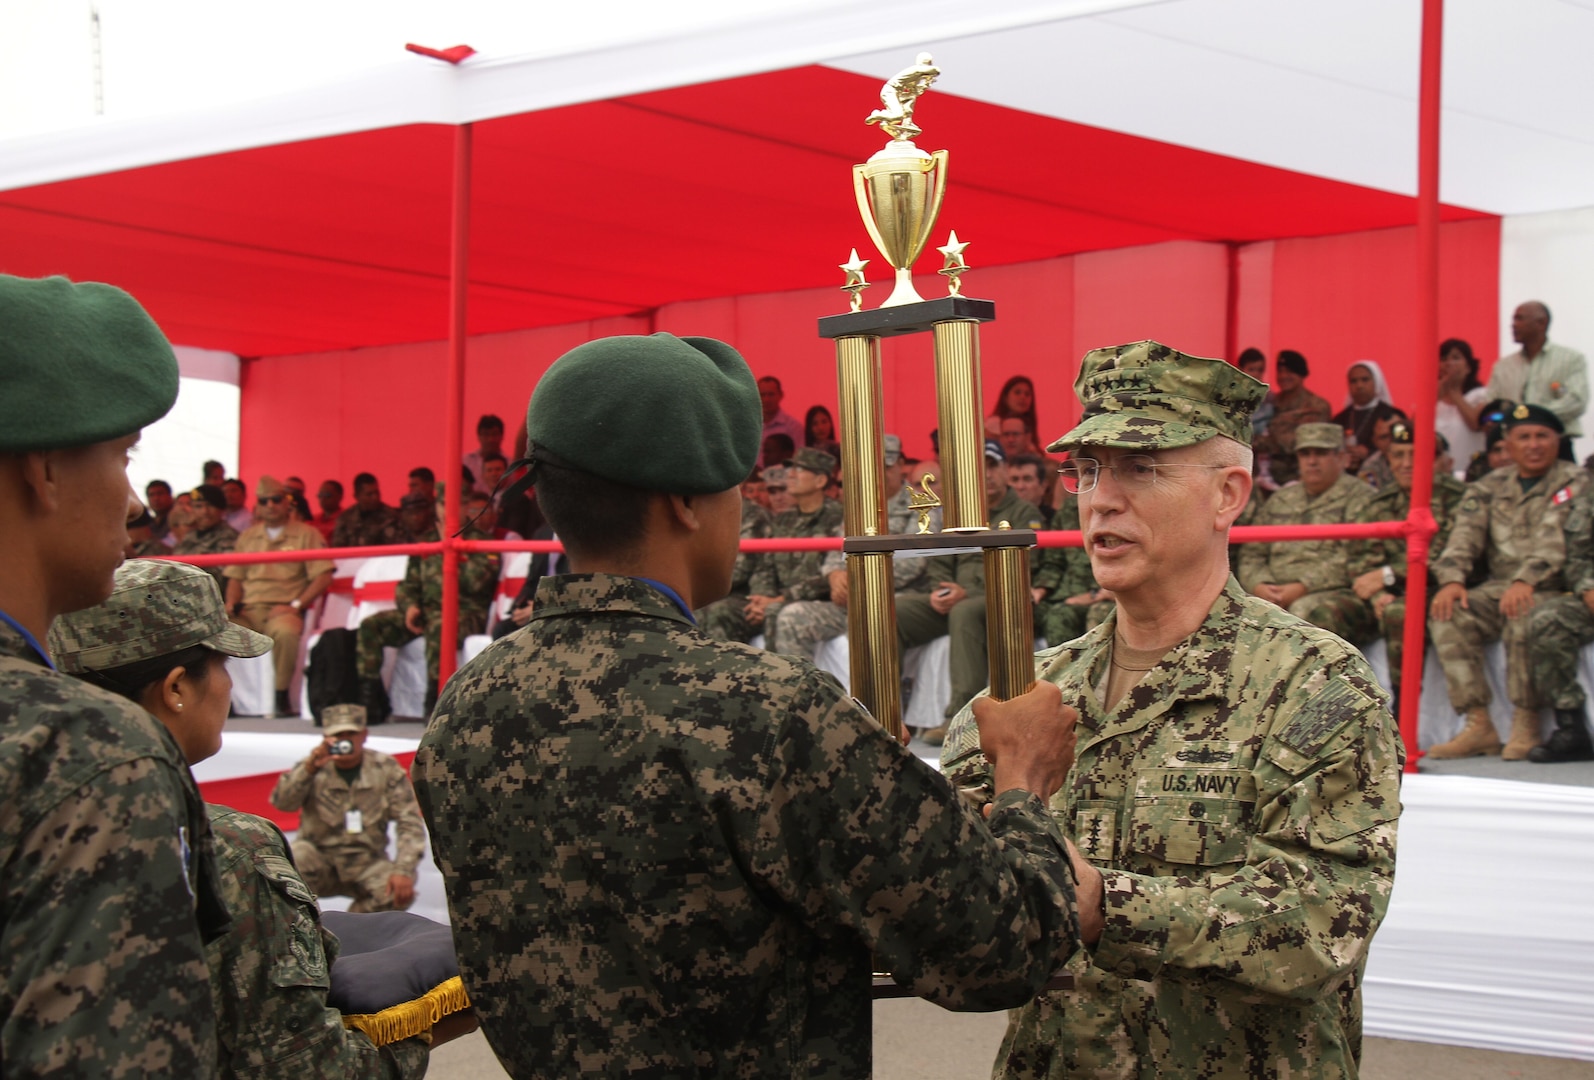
{"x":395,"y":975}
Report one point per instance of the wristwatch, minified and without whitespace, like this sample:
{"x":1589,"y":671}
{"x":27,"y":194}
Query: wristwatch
{"x":1389,"y":578}
{"x":296,"y":603}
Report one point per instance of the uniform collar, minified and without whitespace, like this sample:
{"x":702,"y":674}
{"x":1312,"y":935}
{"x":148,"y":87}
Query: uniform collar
{"x":21,"y":647}
{"x":583,"y":594}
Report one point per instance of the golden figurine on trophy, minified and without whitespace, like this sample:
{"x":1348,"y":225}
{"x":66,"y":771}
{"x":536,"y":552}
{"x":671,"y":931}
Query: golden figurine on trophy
{"x":899,"y":191}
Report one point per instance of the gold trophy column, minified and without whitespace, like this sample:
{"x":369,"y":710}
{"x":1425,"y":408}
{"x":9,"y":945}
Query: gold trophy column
{"x":1009,"y":621}
{"x":871,"y":593}
{"x":957,"y":394}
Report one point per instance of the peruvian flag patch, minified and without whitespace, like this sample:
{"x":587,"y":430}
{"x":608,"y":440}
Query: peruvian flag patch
{"x":1564,"y":495}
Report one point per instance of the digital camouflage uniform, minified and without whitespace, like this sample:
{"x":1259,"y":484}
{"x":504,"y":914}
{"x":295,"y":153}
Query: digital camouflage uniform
{"x":109,"y":887}
{"x":1323,"y":566}
{"x":219,"y":539}
{"x":379,"y":528}
{"x":792,"y":574}
{"x":335,"y":861}
{"x":918,"y":623}
{"x":1393,"y":504}
{"x":1241,"y":802}
{"x":1065,"y":572}
{"x":1520,"y":536}
{"x":270,"y":975}
{"x":1559,"y":628}
{"x":805,"y":624}
{"x":712,"y":847}
{"x":422,"y":587}
{"x":1290,"y":411}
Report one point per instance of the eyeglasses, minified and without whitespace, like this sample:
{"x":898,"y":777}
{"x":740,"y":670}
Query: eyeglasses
{"x":1080,"y":475}
{"x":273,"y":498}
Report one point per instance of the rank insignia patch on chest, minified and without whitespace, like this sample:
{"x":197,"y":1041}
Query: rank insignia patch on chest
{"x":1097,"y":832}
{"x":1310,"y":729}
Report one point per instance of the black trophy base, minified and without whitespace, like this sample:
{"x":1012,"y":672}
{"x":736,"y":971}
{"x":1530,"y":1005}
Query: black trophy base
{"x":907,"y":318}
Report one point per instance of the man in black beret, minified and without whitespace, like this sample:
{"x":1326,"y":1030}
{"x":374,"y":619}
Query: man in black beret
{"x":211,"y":535}
{"x":110,"y":884}
{"x":670,"y":855}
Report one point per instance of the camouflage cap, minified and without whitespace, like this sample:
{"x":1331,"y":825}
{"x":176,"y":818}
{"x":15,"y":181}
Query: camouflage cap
{"x":1147,"y":396}
{"x":156,"y":608}
{"x":815,"y":461}
{"x":775,"y":476}
{"x":343,"y":719}
{"x":1319,"y":437}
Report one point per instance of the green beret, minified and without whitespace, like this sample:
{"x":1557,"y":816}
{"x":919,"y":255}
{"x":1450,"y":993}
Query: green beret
{"x":80,"y":363}
{"x":1148,"y":396}
{"x":661,"y":413}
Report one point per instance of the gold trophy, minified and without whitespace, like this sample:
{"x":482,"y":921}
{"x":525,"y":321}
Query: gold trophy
{"x":899,"y":192}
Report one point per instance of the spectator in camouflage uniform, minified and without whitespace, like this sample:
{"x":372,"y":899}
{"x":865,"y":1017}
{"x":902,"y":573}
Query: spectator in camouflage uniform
{"x":1513,"y":520}
{"x":344,"y":814}
{"x":419,"y":607}
{"x":756,"y":522}
{"x":1311,"y":579}
{"x":211,"y":535}
{"x":1378,"y":567}
{"x":369,"y":522}
{"x":140,"y":542}
{"x":109,"y":891}
{"x":1235,"y":795}
{"x":1557,"y":631}
{"x":1064,"y":588}
{"x":805,"y":624}
{"x":953,"y":600}
{"x":1293,"y":405}
{"x":673,"y":856}
{"x":778,"y":577}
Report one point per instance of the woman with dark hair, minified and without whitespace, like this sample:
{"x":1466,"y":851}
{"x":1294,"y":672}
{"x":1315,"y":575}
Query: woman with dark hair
{"x":1462,"y":396}
{"x":1016,"y":399}
{"x":819,"y":431}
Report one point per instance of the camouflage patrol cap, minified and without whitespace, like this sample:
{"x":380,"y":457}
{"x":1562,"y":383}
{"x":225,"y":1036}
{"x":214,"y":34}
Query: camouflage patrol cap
{"x":1147,"y":396}
{"x":343,"y":719}
{"x":657,"y":412}
{"x":815,"y":461}
{"x":156,"y":608}
{"x":1319,"y":437}
{"x":80,"y":363}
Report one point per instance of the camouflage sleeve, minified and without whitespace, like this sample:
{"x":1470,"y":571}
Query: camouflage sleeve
{"x":1445,"y":518}
{"x":908,"y":575}
{"x":293,"y":788}
{"x":1368,"y":555}
{"x":761,"y":579}
{"x":478,"y":575}
{"x":104,"y":966}
{"x":1049,"y":565}
{"x":406,"y":819}
{"x":1580,"y":542}
{"x":1301,"y":911}
{"x":1546,"y":554}
{"x":855,"y":832}
{"x":411,"y":592}
{"x":270,"y":974}
{"x":1468,"y":537}
{"x":1253,"y":568}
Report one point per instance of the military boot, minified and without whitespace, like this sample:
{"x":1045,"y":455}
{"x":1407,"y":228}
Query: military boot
{"x":1568,"y":742}
{"x":1476,"y":739}
{"x":373,"y":695}
{"x":1525,"y":728}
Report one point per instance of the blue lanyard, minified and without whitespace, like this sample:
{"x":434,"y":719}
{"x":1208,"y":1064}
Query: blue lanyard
{"x":33,"y":642}
{"x":672,"y":594}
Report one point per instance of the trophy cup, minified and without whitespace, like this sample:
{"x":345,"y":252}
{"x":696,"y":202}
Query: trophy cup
{"x":899,"y":192}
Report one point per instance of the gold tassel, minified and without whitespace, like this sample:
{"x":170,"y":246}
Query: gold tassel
{"x":408,"y":1019}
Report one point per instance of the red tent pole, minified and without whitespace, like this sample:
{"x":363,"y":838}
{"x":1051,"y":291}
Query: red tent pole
{"x":454,"y":402}
{"x":1420,"y":522}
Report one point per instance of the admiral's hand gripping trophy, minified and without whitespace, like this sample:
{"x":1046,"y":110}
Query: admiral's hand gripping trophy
{"x":899,"y":193}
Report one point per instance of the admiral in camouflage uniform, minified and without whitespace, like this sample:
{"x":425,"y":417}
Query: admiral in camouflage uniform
{"x":1557,"y":630}
{"x":1513,"y":522}
{"x":672,"y":856}
{"x":1236,"y":790}
{"x":806,"y":624}
{"x":779,"y":577}
{"x":1378,"y":567}
{"x":109,"y":888}
{"x":1311,"y":579}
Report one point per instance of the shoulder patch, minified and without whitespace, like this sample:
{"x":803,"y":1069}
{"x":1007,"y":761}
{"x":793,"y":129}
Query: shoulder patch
{"x":1310,"y":729}
{"x":1562,"y":496}
{"x":1470,"y":503}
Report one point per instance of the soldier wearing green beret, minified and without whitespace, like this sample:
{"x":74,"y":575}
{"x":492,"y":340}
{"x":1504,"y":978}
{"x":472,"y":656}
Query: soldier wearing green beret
{"x":1513,"y":521}
{"x":1235,"y":794}
{"x":673,"y":856}
{"x":103,"y":937}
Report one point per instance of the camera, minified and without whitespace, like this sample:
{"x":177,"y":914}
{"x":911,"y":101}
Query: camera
{"x":341,"y":747}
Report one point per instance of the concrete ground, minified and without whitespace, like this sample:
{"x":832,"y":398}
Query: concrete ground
{"x":915,"y":1040}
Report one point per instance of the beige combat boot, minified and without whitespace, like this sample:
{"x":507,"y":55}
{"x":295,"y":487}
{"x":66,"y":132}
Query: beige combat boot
{"x":1474,"y":740}
{"x":1525,"y":728}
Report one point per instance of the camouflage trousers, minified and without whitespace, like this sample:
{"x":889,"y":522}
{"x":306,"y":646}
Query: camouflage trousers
{"x":386,"y":629}
{"x":335,"y":873}
{"x":802,"y":625}
{"x":919,"y":624}
{"x":1339,"y":611}
{"x":1392,"y":623}
{"x":1459,"y":642}
{"x":723,"y":620}
{"x":1557,"y":630}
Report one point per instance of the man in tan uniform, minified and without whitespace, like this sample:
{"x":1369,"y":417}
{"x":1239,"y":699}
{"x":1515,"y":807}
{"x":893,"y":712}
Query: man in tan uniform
{"x":271,"y":597}
{"x":1514,"y":519}
{"x":341,"y":849}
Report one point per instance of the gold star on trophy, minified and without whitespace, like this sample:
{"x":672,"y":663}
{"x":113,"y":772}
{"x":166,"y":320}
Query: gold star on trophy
{"x":955,"y":266}
{"x":855,"y":283}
